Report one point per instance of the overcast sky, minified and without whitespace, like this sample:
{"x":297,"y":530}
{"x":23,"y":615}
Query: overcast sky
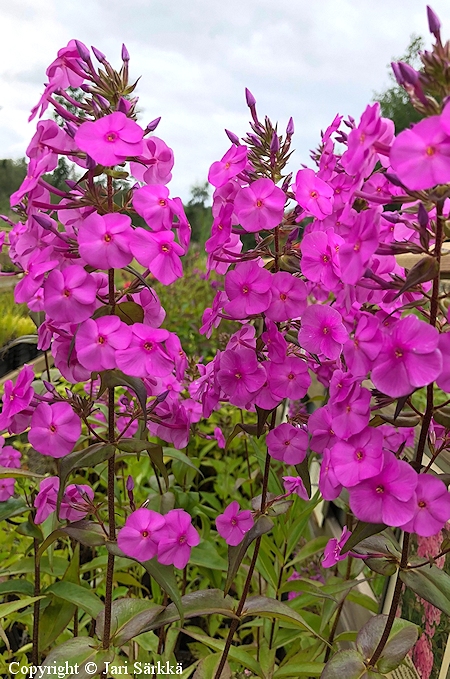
{"x":307,"y":58}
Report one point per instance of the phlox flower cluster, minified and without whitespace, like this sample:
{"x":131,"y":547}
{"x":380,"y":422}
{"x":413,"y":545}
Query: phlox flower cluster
{"x":329,"y":299}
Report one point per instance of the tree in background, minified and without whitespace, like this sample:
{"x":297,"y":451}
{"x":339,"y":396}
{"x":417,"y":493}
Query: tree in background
{"x":198,"y":214}
{"x":12,"y":174}
{"x":394,"y":101}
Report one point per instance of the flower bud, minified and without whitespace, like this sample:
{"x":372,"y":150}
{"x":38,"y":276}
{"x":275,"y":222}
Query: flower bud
{"x":130,"y":483}
{"x":152,"y":126}
{"x":232,"y":137}
{"x":125,"y":54}
{"x":102,"y":101}
{"x":290,"y":127}
{"x":275,"y":143}
{"x":410,"y":75}
{"x":397,"y":73}
{"x":250,"y":99}
{"x":98,"y":55}
{"x":433,"y":23}
{"x":71,"y":129}
{"x":83,"y":51}
{"x":124,"y":105}
{"x":422,"y":216}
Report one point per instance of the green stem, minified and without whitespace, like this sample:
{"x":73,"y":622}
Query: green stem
{"x":36,"y":607}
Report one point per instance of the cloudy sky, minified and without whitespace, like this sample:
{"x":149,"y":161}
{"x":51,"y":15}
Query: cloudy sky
{"x":307,"y":58}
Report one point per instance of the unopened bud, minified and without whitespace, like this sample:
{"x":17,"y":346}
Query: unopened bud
{"x":397,"y":73}
{"x":151,"y":127}
{"x":83,"y":51}
{"x":44,"y":221}
{"x":410,"y":75}
{"x":162,"y":397}
{"x":130,"y":483}
{"x":70,"y":129}
{"x":98,"y":55}
{"x":90,"y":163}
{"x":71,"y":183}
{"x":232,"y":137}
{"x":290,"y":127}
{"x":422,"y":216}
{"x":102,"y":101}
{"x":275,"y":143}
{"x":250,"y":99}
{"x":49,"y":386}
{"x":125,"y":54}
{"x":123,"y":106}
{"x":433,"y":23}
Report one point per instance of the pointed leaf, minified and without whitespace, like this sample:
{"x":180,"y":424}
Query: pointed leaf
{"x":12,"y":606}
{"x":53,"y":621}
{"x":207,"y":668}
{"x":81,"y":459}
{"x":424,"y":270}
{"x":348,"y":664}
{"x":236,"y":554}
{"x":292,"y":670}
{"x":129,"y":312}
{"x":86,"y":532}
{"x":303,"y":472}
{"x":9,"y":473}
{"x":181,"y":457}
{"x":129,"y":617}
{"x":362,"y":531}
{"x":78,"y":595}
{"x":262,"y":419}
{"x":14,"y":506}
{"x":235,"y":653}
{"x":272,"y":608}
{"x":401,"y":639}
{"x":202,"y":602}
{"x":16,"y":586}
{"x":248,"y":428}
{"x":79,"y":651}
{"x":312,"y":547}
{"x":430,"y":583}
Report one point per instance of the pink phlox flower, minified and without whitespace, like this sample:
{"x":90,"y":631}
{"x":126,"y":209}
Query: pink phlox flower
{"x":159,"y":252}
{"x":192,"y":408}
{"x":234,"y":523}
{"x":60,"y":73}
{"x":432,"y":507}
{"x":70,"y":295}
{"x":174,"y":425}
{"x":332,"y":552}
{"x":225,"y":195}
{"x":320,"y":426}
{"x":320,"y":261}
{"x":260,"y":206}
{"x":329,"y":486}
{"x":248,"y":289}
{"x":313,"y":194}
{"x":358,"y":458}
{"x":175,"y":352}
{"x":344,"y":188}
{"x":359,"y":246}
{"x":288,"y":297}
{"x":351,"y":415}
{"x":66,"y":360}
{"x":54,"y":429}
{"x":17,"y":397}
{"x":266,"y":399}
{"x":45,"y":500}
{"x":36,"y":168}
{"x":409,"y":358}
{"x":294,"y":484}
{"x":275,"y":342}
{"x":287,"y":443}
{"x":49,"y":136}
{"x":182,"y":226}
{"x":177,"y":539}
{"x":361,"y":351}
{"x":6,"y":489}
{"x":341,"y":385}
{"x":211,"y":316}
{"x":420,"y":156}
{"x":140,"y":536}
{"x":153,"y":204}
{"x":322,"y":331}
{"x":388,"y":497}
{"x":443,"y":379}
{"x":104,"y":240}
{"x":220,"y":229}
{"x":145,"y":355}
{"x":245,"y":338}
{"x":98,"y":340}
{"x":289,"y":379}
{"x":9,"y":457}
{"x":220,"y":438}
{"x":221,"y":259}
{"x":75,"y":502}
{"x":240,"y":376}
{"x":232,"y":163}
{"x":155,"y":162}
{"x":154,"y":313}
{"x":110,"y":139}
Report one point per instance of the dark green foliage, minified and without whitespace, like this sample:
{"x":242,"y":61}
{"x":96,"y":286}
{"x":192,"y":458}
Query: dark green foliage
{"x":12,"y":174}
{"x":198,"y":214}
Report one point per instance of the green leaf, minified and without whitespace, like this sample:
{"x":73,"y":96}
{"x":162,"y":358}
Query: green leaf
{"x":303,"y":472}
{"x":129,"y":312}
{"x":240,"y":426}
{"x":16,"y":586}
{"x":53,"y":621}
{"x":236,"y":554}
{"x":207,"y":668}
{"x":262,"y":419}
{"x":12,"y":606}
{"x":401,"y":639}
{"x":85,"y":532}
{"x":181,"y":457}
{"x":293,"y":670}
{"x":163,"y":575}
{"x":129,"y":617}
{"x":266,"y":607}
{"x":362,"y":531}
{"x":76,"y":594}
{"x":312,"y":547}
{"x":116,"y":378}
{"x":236,"y":654}
{"x":207,"y":556}
{"x":301,"y":523}
{"x":79,"y":651}
{"x":9,"y":473}
{"x":30,"y":530}
{"x":430,"y":583}
{"x":81,"y":459}
{"x":202,"y":602}
{"x":12,"y":507}
{"x":344,"y":664}
{"x":363,"y":600}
